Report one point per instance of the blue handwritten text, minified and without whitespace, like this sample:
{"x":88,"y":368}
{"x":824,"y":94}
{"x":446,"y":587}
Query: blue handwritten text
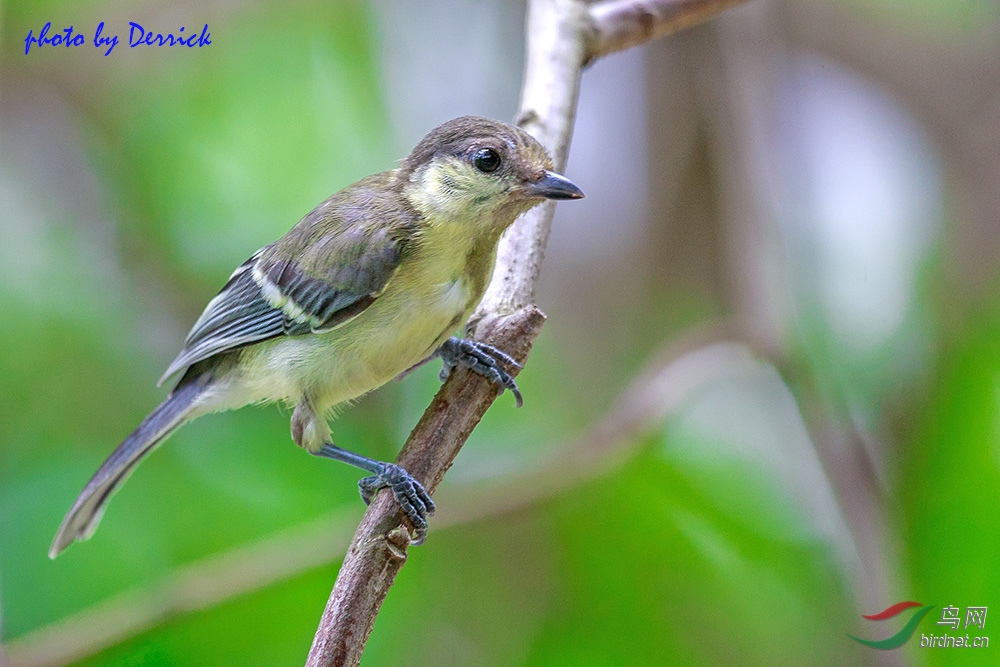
{"x":64,"y":37}
{"x":110,"y":42}
{"x":138,"y":36}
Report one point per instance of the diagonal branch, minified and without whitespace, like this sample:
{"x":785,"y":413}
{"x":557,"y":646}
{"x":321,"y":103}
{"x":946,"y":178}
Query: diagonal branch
{"x":563,"y":37}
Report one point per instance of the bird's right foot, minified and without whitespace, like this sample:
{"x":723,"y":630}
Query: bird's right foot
{"x":480,"y":358}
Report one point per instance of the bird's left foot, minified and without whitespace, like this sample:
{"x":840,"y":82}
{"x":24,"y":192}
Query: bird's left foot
{"x":480,"y":358}
{"x":413,"y":499}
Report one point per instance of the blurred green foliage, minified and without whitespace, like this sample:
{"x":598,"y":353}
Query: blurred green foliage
{"x":950,"y":480}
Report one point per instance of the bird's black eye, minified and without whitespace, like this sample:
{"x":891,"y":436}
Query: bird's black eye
{"x":486,"y":160}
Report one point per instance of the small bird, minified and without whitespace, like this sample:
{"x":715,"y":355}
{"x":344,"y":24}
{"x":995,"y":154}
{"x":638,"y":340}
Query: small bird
{"x":372,"y":282}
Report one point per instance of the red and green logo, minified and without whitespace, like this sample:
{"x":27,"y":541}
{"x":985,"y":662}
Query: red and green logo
{"x":904,"y":634}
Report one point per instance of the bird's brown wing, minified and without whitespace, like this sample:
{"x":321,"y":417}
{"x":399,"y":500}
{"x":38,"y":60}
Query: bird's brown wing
{"x":345,"y":254}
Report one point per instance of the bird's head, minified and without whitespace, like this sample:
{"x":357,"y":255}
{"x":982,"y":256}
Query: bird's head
{"x":479,"y":170}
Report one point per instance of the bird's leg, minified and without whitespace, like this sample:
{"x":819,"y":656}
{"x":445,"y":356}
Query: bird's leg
{"x":480,"y":358}
{"x":415,"y":367}
{"x":413,"y":499}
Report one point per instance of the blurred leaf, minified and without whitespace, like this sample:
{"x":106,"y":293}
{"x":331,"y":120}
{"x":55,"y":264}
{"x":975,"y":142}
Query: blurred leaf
{"x":652,"y":571}
{"x":272,"y":627}
{"x":950,"y":483}
{"x":231,"y":148}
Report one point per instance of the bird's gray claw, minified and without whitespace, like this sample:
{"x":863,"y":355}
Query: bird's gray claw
{"x":445,"y":372}
{"x":413,"y":499}
{"x":480,"y":358}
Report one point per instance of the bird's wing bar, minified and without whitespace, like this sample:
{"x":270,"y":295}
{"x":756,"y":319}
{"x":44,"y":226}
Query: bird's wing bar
{"x":237,"y":316}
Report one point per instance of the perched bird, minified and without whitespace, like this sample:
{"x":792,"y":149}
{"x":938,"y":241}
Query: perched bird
{"x":371,"y":283}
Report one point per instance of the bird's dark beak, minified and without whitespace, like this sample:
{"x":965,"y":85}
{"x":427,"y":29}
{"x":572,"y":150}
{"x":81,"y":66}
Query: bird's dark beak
{"x":554,"y":186}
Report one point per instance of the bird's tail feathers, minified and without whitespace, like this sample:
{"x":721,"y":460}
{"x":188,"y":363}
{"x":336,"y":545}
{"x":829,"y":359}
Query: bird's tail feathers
{"x":82,"y":519}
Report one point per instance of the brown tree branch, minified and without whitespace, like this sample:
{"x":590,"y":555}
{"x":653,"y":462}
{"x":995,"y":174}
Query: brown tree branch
{"x":563,"y":36}
{"x":378,"y":549}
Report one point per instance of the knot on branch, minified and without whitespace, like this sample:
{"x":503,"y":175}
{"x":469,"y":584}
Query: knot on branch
{"x":396,"y":542}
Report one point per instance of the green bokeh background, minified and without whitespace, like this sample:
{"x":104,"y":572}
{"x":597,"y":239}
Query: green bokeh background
{"x":133,"y":184}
